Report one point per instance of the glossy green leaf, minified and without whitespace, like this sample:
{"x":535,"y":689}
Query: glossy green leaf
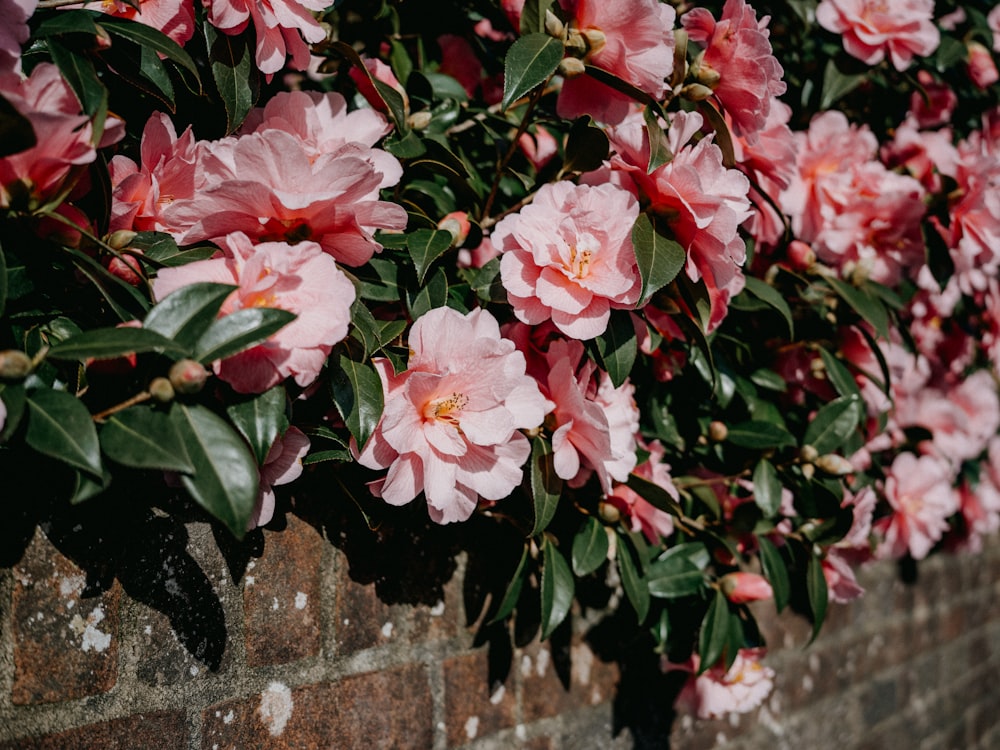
{"x":658,"y":257}
{"x":364,"y":327}
{"x":760,"y":435}
{"x":186,"y":314}
{"x":260,"y":419}
{"x":127,"y":301}
{"x":59,"y":426}
{"x":145,"y":438}
{"x":238,"y":331}
{"x":557,"y":588}
{"x":393,"y":100}
{"x":590,"y":547}
{"x":659,"y":147}
{"x":617,"y":347}
{"x":714,"y":635}
{"x":694,"y":552}
{"x":837,"y":85}
{"x":775,"y":570}
{"x":426,"y":246}
{"x":152,"y":69}
{"x":15,"y":401}
{"x":654,"y":494}
{"x":86,"y":487}
{"x":434,"y":294}
{"x":225,"y":479}
{"x":149,"y":38}
{"x":723,"y":138}
{"x":586,"y":146}
{"x":768,"y":294}
{"x":635,"y":586}
{"x":108,"y":343}
{"x":82,"y":77}
{"x":532,"y":19}
{"x":819,"y":597}
{"x":357,"y":392}
{"x":546,"y":487}
{"x":529,"y":62}
{"x":766,"y":488}
{"x":674,"y":578}
{"x":234,"y":72}
{"x":75,"y":21}
{"x":16,"y":133}
{"x":513,"y":592}
{"x":870,"y":309}
{"x":838,"y":374}
{"x":834,"y":423}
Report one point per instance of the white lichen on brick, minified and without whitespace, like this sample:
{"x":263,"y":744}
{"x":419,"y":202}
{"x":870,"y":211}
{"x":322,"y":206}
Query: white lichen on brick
{"x":90,"y":636}
{"x":300,"y":600}
{"x":228,"y":718}
{"x":438,"y":609}
{"x":498,"y":695}
{"x":472,"y":727}
{"x":387,"y":630}
{"x":275,"y":708}
{"x":274,"y":603}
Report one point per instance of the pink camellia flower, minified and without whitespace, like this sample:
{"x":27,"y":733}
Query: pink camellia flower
{"x":644,"y":516}
{"x":920,"y":493}
{"x":741,"y":587}
{"x":14,"y":32}
{"x":718,"y":691}
{"x":632,"y":39}
{"x":450,"y":427}
{"x":568,"y":257}
{"x":283,"y":465}
{"x":301,"y":279}
{"x":993,"y":20}
{"x":282,"y":28}
{"x":737,"y":63}
{"x":841,"y":584}
{"x":982,"y":69}
{"x":932,"y":106}
{"x":459,"y":60}
{"x":175,"y":18}
{"x":901,"y":28}
{"x":539,"y":147}
{"x":925,"y":154}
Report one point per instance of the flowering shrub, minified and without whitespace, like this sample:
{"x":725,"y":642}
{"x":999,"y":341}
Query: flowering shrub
{"x":697,"y":302}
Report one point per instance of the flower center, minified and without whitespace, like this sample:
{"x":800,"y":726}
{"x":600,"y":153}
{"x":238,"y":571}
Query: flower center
{"x":446,"y":409}
{"x":579,"y":262}
{"x":292,"y":231}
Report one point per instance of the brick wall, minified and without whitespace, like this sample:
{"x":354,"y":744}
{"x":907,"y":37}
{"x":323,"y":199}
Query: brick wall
{"x":321,"y":636}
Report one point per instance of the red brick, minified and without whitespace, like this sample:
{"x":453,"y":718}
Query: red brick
{"x":65,"y":639}
{"x":390,"y":709}
{"x":471,"y":710}
{"x":361,"y":619}
{"x":282,"y":597}
{"x":165,"y":730}
{"x":592,"y":681}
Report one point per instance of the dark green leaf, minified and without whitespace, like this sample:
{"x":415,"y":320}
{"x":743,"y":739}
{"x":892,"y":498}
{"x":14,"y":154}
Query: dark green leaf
{"x":769,"y":379}
{"x":714,"y":635}
{"x":60,"y":426}
{"x":870,"y":309}
{"x":633,"y":582}
{"x":723,"y":138}
{"x":108,"y":343}
{"x":775,"y":570}
{"x":393,"y":100}
{"x":837,"y":85}
{"x":185,"y":315}
{"x":838,"y":374}
{"x":819,"y":597}
{"x":586,"y":146}
{"x":760,"y":435}
{"x":357,"y":392}
{"x":674,"y":578}
{"x":654,"y":494}
{"x":546,"y":487}
{"x":149,"y":38}
{"x":86,"y":487}
{"x":590,"y":547}
{"x":513,"y":591}
{"x":110,"y":286}
{"x":435,"y":294}
{"x":618,"y":347}
{"x":767,"y":293}
{"x":766,"y":488}
{"x":557,"y":588}
{"x":15,"y":401}
{"x":426,"y":246}
{"x":833,"y":424}
{"x":81,"y":75}
{"x":533,"y":16}
{"x":152,"y":69}
{"x":260,"y":419}
{"x":529,"y":63}
{"x":694,"y":552}
{"x":659,"y":257}
{"x":74,"y":21}
{"x":238,"y":331}
{"x":659,"y":148}
{"x":16,"y":133}
{"x":234,"y":72}
{"x":340,"y":456}
{"x":145,"y":438}
{"x":225,"y":480}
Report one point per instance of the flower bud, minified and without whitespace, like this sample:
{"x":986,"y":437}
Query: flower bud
{"x":808,"y":454}
{"x":419,"y":120}
{"x":127,"y":268}
{"x":571,"y":67}
{"x":595,"y":40}
{"x":553,"y":26}
{"x":717,"y":431}
{"x":834,"y":465}
{"x":457,"y":222}
{"x":740,"y":588}
{"x":609,"y":513}
{"x":121,"y":238}
{"x":161,"y":390}
{"x":187,"y":376}
{"x":801,"y":257}
{"x":696,"y":92}
{"x":15,"y":365}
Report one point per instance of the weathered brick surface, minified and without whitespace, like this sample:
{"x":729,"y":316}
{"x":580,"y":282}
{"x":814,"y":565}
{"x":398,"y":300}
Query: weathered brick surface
{"x":163,"y":730}
{"x":472,"y":709}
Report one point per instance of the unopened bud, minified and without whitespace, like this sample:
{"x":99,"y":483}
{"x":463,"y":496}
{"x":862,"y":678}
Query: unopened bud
{"x":161,"y":390}
{"x":595,"y":40}
{"x":717,"y":431}
{"x":808,"y":454}
{"x":708,"y":76}
{"x":187,"y":376}
{"x":126,"y":268}
{"x":553,"y":26}
{"x":740,"y":588}
{"x":575,"y":44}
{"x":801,"y":256}
{"x":419,"y":120}
{"x":121,"y":238}
{"x":833,"y":465}
{"x":609,"y":513}
{"x":808,"y":471}
{"x":457,"y":222}
{"x":571,"y":67}
{"x":15,"y":365}
{"x":696,"y":92}
{"x":102,"y":39}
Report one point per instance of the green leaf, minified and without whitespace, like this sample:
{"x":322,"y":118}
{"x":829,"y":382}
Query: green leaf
{"x":768,"y":294}
{"x":357,"y":392}
{"x":634,"y":584}
{"x":260,"y":419}
{"x":81,"y":75}
{"x":654,"y":494}
{"x":186,"y":314}
{"x":617,"y":347}
{"x":870,"y":309}
{"x":393,"y":100}
{"x":145,"y":438}
{"x":557,"y":588}
{"x":714,"y":635}
{"x":659,"y":257}
{"x":586,"y":146}
{"x":86,"y":487}
{"x":760,"y":435}
{"x":513,"y":592}
{"x":546,"y":487}
{"x":225,"y":480}
{"x":838,"y":374}
{"x":775,"y":570}
{"x":833,"y":424}
{"x":149,"y":38}
{"x":659,"y":147}
{"x":533,"y":16}
{"x":434,"y":294}
{"x":238,"y":331}
{"x":426,"y":246}
{"x":152,"y":69}
{"x":766,"y":488}
{"x":674,"y":577}
{"x":16,"y":133}
{"x":108,"y":343}
{"x":77,"y":21}
{"x":723,"y":138}
{"x":590,"y":547}
{"x":15,"y":401}
{"x":529,"y":63}
{"x":365,"y":327}
{"x":234,"y":72}
{"x":60,"y":426}
{"x":837,"y":85}
{"x":819,"y":597}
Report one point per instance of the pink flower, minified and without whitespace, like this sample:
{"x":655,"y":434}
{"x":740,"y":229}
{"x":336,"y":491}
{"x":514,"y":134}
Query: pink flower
{"x":643,"y":516}
{"x":982,"y":69}
{"x":741,"y":587}
{"x":568,"y":257}
{"x":841,"y":584}
{"x":459,"y":60}
{"x":718,"y":691}
{"x":450,"y":424}
{"x":282,"y":466}
{"x":380,"y":72}
{"x":920,"y":493}
{"x":282,"y":28}
{"x":175,"y":18}
{"x":737,"y":63}
{"x":993,"y":20}
{"x":539,"y":147}
{"x":300,"y":279}
{"x":932,"y":106}
{"x":14,"y":32}
{"x":872,"y":28}
{"x":632,"y":39}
